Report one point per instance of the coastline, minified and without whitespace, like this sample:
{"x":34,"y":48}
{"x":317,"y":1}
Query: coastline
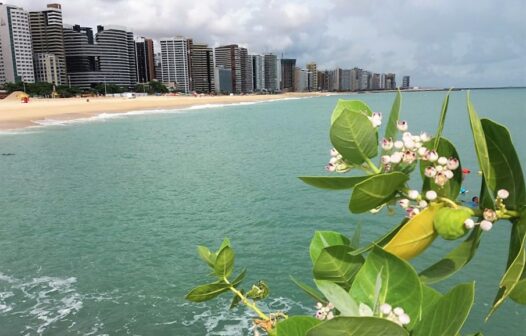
{"x":15,"y":115}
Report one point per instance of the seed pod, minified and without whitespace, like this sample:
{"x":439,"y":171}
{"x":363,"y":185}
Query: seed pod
{"x":449,"y":223}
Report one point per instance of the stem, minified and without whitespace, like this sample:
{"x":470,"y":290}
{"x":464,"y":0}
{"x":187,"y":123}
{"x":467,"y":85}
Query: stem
{"x":448,"y":201}
{"x":508,"y":214}
{"x":372,"y":165}
{"x":247,"y":302}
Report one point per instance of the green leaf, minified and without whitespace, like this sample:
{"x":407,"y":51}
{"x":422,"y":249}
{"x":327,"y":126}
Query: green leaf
{"x":225,"y":243}
{"x":236,"y":300}
{"x":224,"y":264}
{"x":391,"y":129}
{"x":206,"y":255}
{"x":296,"y":326}
{"x":505,"y":163}
{"x":354,"y":137}
{"x":400,"y":284}
{"x":207,"y":292}
{"x":448,"y":314}
{"x":259,"y":291}
{"x":441,"y":121}
{"x":481,"y":146}
{"x":333,"y":182}
{"x":519,"y":292}
{"x":430,"y":297}
{"x":350,"y":105}
{"x":323,"y":239}
{"x":336,"y":264}
{"x":357,"y":326}
{"x":355,"y":239}
{"x":239,"y":278}
{"x":452,"y":188}
{"x":313,"y":293}
{"x":516,"y":262}
{"x":375,"y":191}
{"x":339,"y":298}
{"x":454,"y":260}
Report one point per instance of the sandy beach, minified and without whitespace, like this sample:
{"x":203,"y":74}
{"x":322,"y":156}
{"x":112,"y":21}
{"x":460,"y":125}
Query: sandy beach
{"x":15,"y":115}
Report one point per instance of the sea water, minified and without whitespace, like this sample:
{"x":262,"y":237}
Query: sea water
{"x":100,"y":218}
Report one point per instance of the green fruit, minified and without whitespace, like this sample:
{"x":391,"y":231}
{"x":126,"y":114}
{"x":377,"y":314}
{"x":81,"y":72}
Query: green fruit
{"x":449,"y":222}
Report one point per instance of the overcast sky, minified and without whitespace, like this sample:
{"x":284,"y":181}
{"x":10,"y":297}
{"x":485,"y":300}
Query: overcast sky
{"x":438,"y":42}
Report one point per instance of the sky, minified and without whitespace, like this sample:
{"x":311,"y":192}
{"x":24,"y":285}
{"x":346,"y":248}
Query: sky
{"x":439,"y":43}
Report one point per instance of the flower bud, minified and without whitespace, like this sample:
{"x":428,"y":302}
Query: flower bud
{"x":424,"y":137}
{"x":396,"y":157}
{"x":386,"y":309}
{"x":330,"y":316}
{"x":404,"y":203}
{"x":489,"y":215}
{"x":387,"y":144}
{"x":442,"y":160}
{"x":432,"y":156}
{"x":431,"y":195}
{"x":409,"y":143}
{"x":319,"y":305}
{"x":422,"y":151}
{"x":413,"y":194}
{"x":449,"y":174}
{"x":333,"y":160}
{"x":385,"y":159}
{"x":330,"y":168}
{"x":452,"y":164}
{"x":422,"y":204}
{"x":408,"y":157}
{"x":376,"y":119}
{"x":334,"y":152}
{"x":503,"y":194}
{"x":402,"y":125}
{"x":441,"y":179}
{"x":398,"y":311}
{"x":404,"y":319}
{"x":486,"y":225}
{"x":430,"y":171}
{"x":398,"y":144}
{"x":469,"y":224}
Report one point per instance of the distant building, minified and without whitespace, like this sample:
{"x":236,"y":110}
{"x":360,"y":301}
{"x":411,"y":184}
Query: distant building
{"x":382,"y":81}
{"x":375,"y":81}
{"x":145,"y":60}
{"x":405,"y":82}
{"x":48,"y":45}
{"x":390,"y":81}
{"x":356,"y":77}
{"x":346,"y":80}
{"x":16,"y":51}
{"x":335,"y":77}
{"x":108,"y":57}
{"x":311,"y":67}
{"x":271,"y":72}
{"x":236,"y":59}
{"x":258,"y":72}
{"x":323,"y":80}
{"x":158,"y":66}
{"x":288,"y":69}
{"x":175,"y":62}
{"x":223,"y":80}
{"x":301,"y":80}
{"x":365,"y":80}
{"x":202,"y":68}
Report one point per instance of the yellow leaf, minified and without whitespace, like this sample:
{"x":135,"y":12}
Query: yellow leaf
{"x":415,"y":236}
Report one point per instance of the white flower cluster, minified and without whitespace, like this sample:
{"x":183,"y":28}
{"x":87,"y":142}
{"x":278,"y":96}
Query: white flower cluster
{"x":397,"y":315}
{"x":376,"y":119}
{"x":407,"y":150}
{"x":337,"y":163}
{"x":442,"y":169}
{"x":324,"y":312}
{"x":490,"y":216}
{"x":415,"y":203}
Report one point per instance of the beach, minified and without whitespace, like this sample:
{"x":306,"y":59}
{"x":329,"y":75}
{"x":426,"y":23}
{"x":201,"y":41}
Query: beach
{"x":15,"y":114}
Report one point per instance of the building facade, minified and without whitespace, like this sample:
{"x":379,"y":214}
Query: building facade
{"x":48,"y":45}
{"x":176,"y":63}
{"x":406,"y":82}
{"x":288,"y":70}
{"x":202,"y":68}
{"x":16,"y":53}
{"x":314,"y":71}
{"x":271,"y":72}
{"x":145,"y":60}
{"x":228,"y":57}
{"x":258,"y":72}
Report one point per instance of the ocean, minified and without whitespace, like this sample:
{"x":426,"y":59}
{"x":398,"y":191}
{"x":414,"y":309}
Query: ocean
{"x":100,"y":218}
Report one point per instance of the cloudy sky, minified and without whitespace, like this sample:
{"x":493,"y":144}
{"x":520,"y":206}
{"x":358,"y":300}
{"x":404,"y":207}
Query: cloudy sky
{"x":438,"y":42}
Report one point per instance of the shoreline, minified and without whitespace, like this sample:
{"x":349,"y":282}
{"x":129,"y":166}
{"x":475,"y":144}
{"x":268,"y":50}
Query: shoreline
{"x":15,"y":115}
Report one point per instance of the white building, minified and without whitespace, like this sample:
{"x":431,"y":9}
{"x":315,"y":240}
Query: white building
{"x":175,"y":64}
{"x":47,"y":68}
{"x":258,"y":72}
{"x":16,"y":53}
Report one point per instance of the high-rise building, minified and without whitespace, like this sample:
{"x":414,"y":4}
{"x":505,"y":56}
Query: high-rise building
{"x":375,"y":81}
{"x":271,"y":72}
{"x":176,"y":62}
{"x":108,"y":57}
{"x":406,"y":82}
{"x":382,"y":81}
{"x":365,"y":80}
{"x":48,"y":45}
{"x":312,"y":68}
{"x":158,"y":66}
{"x":322,"y":80}
{"x":145,"y":60}
{"x":202,"y":68}
{"x":288,"y":69}
{"x":258,"y":72}
{"x":223,"y":79}
{"x":228,"y":57}
{"x":390,"y":81}
{"x":346,"y":80}
{"x":356,"y":77}
{"x":335,"y":78}
{"x":301,"y":79}
{"x":16,"y":53}
{"x":246,"y":71}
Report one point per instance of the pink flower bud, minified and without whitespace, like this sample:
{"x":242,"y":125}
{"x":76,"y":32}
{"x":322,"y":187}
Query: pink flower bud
{"x":387,"y":144}
{"x":413,"y":194}
{"x":503,"y":194}
{"x":469,"y":224}
{"x":330,"y":167}
{"x":442,"y":160}
{"x":452,"y":164}
{"x":334,"y":152}
{"x":449,"y":174}
{"x":486,"y":225}
{"x":424,"y":137}
{"x":396,"y":157}
{"x":399,"y":144}
{"x":402,"y":125}
{"x":404,"y":319}
{"x":385,"y":159}
{"x":431,"y":195}
{"x":404,"y":203}
{"x":489,"y":215}
{"x":422,"y":151}
{"x":386,"y":309}
{"x":398,"y":311}
{"x":430,"y":171}
{"x":432,"y":156}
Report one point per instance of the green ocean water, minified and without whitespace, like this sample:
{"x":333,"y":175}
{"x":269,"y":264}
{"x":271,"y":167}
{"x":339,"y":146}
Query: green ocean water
{"x":100,"y":218}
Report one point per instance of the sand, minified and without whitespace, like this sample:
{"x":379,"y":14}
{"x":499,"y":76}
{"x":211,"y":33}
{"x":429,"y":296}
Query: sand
{"x":14,"y":114}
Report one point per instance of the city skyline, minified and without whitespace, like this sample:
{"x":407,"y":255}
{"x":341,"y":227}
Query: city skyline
{"x":433,"y":41}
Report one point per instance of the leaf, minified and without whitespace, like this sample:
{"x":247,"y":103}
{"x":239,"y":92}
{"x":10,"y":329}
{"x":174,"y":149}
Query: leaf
{"x":207,"y":292}
{"x":354,"y":137}
{"x":224,"y":264}
{"x":400,"y":284}
{"x":504,"y":163}
{"x":375,"y":191}
{"x":339,"y":298}
{"x":239,"y":278}
{"x":481,"y":146}
{"x":313,"y":293}
{"x":259,"y":291}
{"x":236,"y":300}
{"x":337,"y":265}
{"x":415,"y":236}
{"x":350,"y":105}
{"x":225,"y":243}
{"x":296,"y":325}
{"x":357,"y":326}
{"x":516,"y":262}
{"x":206,"y":255}
{"x":441,"y":121}
{"x":323,"y":239}
{"x":452,"y":188}
{"x":333,"y":182}
{"x":454,"y":260}
{"x":448,"y":314}
{"x":429,"y":298}
{"x":355,"y":239}
{"x":391,"y":129}
{"x":519,"y":292}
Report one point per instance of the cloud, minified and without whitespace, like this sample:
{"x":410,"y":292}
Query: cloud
{"x":437,"y":42}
